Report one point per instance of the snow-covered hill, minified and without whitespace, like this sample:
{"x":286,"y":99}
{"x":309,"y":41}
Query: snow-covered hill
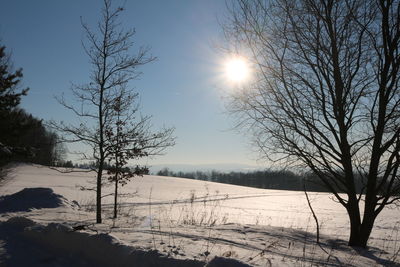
{"x":171,"y":221}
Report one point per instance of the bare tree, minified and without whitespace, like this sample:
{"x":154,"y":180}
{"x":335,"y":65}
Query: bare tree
{"x":113,"y":67}
{"x":326,"y":94}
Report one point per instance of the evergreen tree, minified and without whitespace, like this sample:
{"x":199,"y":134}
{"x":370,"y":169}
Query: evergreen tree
{"x":22,"y":136}
{"x":10,"y":95}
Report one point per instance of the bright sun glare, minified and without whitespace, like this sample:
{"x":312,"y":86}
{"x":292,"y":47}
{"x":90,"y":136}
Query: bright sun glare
{"x":237,"y":69}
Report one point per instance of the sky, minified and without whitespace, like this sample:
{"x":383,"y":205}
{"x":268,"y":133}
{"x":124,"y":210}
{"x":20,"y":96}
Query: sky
{"x":184,"y":88}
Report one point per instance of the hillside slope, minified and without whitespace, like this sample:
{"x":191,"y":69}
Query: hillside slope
{"x":181,"y":219}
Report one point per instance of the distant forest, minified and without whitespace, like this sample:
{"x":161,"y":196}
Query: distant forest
{"x":266,"y":179}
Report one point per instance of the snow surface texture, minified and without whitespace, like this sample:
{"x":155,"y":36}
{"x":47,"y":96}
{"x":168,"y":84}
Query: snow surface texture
{"x":59,"y":245}
{"x":166,"y":221}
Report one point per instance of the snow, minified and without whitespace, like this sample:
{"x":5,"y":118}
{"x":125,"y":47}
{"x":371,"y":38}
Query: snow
{"x":167,"y":221}
{"x":32,"y":198}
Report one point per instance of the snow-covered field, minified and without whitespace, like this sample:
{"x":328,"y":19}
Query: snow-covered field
{"x":166,"y":221}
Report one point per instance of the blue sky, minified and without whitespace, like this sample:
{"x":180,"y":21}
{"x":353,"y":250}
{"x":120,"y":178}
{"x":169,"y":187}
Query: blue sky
{"x":184,"y":88}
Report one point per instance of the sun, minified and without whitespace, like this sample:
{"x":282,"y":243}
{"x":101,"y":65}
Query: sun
{"x":237,"y":70}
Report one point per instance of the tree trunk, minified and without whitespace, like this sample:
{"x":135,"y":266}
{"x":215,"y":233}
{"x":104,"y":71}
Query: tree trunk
{"x":98,"y":194}
{"x":368,"y":220}
{"x":366,"y":229}
{"x":360,"y":232}
{"x":353,"y":211}
{"x":116,"y":195}
{"x":355,"y":226}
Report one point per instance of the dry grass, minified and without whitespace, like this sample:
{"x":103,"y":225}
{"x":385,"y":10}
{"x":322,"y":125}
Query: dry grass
{"x":199,"y":219}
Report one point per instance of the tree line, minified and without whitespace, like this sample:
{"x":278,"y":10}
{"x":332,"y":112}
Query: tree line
{"x":266,"y":179}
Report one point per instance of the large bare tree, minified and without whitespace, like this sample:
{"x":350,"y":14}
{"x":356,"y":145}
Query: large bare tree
{"x":113,"y":67}
{"x":325,"y":94}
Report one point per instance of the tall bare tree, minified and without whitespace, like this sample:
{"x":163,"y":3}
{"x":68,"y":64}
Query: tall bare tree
{"x":325,"y":94}
{"x":113,"y":67}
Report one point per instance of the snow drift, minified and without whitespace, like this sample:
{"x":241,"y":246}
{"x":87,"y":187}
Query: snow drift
{"x":32,"y":198}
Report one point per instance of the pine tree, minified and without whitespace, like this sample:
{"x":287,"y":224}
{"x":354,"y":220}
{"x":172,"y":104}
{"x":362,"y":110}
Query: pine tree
{"x":10,"y":95}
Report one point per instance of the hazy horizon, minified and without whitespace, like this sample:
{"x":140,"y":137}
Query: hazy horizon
{"x":223,"y":167}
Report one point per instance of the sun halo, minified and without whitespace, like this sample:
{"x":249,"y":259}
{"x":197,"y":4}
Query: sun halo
{"x":237,"y":70}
